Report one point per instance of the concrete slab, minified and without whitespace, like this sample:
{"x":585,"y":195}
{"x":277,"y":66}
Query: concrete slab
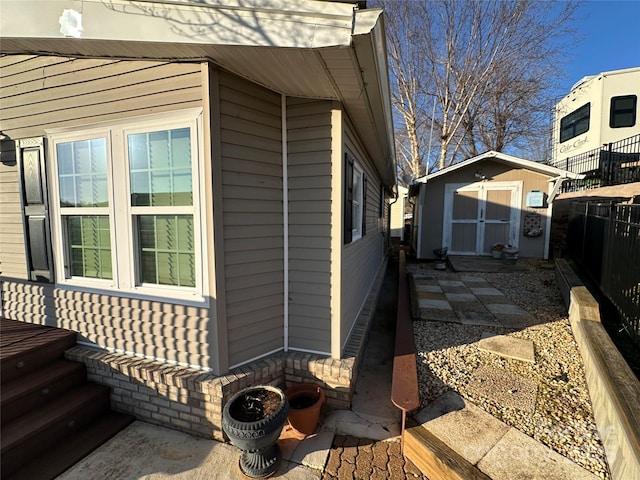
{"x":419,"y":277}
{"x":311,"y":452}
{"x":493,"y":299}
{"x":518,"y":457}
{"x":434,"y":304}
{"x":478,"y":318}
{"x":507,"y":308}
{"x":451,"y":283}
{"x":150,"y":452}
{"x":508,"y":347}
{"x":461,"y":297}
{"x":476,"y":280}
{"x":360,"y":425}
{"x":486,"y":291}
{"x":431,"y":295}
{"x":505,"y":388}
{"x":465,"y":428}
{"x":519,"y":322}
{"x":420,"y":287}
{"x":474,"y":306}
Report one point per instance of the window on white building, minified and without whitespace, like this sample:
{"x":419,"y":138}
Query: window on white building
{"x":623,"y":111}
{"x":576,"y":123}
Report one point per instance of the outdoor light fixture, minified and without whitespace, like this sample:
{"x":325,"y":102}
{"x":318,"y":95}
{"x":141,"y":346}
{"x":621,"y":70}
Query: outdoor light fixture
{"x":480,"y":175}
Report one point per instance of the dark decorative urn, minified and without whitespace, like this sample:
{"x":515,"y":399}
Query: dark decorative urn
{"x":253,"y":419}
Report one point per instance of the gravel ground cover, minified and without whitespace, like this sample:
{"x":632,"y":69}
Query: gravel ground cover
{"x":448,"y":356}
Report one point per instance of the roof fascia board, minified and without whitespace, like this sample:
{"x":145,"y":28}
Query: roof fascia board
{"x":504,"y":158}
{"x":273,"y":23}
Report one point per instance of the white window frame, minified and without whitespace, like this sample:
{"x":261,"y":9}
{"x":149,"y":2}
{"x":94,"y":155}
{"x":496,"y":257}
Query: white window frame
{"x":122,"y":214}
{"x":357,"y":202}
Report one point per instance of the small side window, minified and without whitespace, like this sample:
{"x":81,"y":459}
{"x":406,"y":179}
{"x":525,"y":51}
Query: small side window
{"x":623,"y":111}
{"x":576,"y":123}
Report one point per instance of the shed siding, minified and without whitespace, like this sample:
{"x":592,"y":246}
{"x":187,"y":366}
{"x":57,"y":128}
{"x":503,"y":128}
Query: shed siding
{"x":362,"y":258}
{"x":432,"y":217}
{"x":37,"y":93}
{"x":251,"y":152}
{"x":309,"y":175}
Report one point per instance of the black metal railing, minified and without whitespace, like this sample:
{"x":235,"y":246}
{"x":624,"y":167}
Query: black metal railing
{"x":615,"y":163}
{"x":604,"y":238}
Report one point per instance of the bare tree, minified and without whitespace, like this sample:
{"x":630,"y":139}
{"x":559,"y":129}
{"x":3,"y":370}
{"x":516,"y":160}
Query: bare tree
{"x":488,"y":65}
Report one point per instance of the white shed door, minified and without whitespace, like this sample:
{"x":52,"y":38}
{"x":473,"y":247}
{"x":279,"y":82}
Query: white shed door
{"x":480,"y":214}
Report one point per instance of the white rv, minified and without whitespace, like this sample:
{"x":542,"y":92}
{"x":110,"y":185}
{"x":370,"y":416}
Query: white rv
{"x":599,"y":109}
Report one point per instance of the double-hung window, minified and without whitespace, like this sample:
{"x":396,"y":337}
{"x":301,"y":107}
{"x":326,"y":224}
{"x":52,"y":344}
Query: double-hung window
{"x":126,"y":204}
{"x":355,"y":195}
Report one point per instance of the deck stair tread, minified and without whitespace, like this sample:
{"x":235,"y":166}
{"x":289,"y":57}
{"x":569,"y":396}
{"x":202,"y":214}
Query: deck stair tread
{"x":23,"y":351}
{"x":65,"y":412}
{"x":39,"y":387}
{"x":66,"y":454}
{"x":51,"y":416}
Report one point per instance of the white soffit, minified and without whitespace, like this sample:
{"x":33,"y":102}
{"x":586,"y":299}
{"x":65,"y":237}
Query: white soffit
{"x":303,"y":48}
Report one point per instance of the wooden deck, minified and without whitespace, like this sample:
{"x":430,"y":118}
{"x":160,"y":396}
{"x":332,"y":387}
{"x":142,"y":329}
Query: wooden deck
{"x":51,"y":416}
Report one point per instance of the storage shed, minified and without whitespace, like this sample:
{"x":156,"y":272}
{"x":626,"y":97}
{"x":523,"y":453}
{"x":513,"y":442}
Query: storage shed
{"x":488,"y":199}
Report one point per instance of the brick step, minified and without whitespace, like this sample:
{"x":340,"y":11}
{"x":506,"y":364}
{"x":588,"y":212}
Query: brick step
{"x":32,"y":434}
{"x":434,"y":458}
{"x":38,"y":388}
{"x":26,"y":348}
{"x":73,"y":449}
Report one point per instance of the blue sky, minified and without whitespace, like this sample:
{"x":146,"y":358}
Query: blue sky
{"x":611,"y":39}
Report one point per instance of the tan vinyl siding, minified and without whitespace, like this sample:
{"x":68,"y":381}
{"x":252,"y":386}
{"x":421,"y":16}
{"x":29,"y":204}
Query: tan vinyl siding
{"x":13,"y":262}
{"x":362,"y":258}
{"x":150,"y":328}
{"x":37,"y":93}
{"x":251,"y":151}
{"x":309,"y":173}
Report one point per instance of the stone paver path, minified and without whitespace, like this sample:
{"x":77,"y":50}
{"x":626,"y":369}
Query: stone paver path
{"x":471,"y":300}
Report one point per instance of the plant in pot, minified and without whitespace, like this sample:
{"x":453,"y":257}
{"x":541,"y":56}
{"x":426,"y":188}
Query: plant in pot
{"x":496,"y":250}
{"x":305,"y":404}
{"x":253,"y":419}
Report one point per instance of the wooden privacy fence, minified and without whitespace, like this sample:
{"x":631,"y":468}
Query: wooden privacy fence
{"x":604,"y":238}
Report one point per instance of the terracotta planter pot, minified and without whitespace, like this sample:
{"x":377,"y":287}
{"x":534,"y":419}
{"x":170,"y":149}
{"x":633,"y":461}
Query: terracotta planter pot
{"x":305,"y":404}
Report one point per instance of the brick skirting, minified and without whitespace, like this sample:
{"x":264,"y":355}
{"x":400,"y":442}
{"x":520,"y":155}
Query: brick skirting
{"x":190,"y":400}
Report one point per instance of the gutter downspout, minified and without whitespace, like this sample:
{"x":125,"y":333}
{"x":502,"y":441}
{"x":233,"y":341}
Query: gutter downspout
{"x":285,"y":219}
{"x":421,"y":196}
{"x":397,"y":195}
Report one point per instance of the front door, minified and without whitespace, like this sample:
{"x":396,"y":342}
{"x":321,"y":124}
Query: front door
{"x":480,"y":214}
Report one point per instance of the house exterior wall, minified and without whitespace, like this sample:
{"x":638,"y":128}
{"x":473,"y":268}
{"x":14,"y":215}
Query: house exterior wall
{"x":433,"y":204}
{"x":251,"y":153}
{"x":362,"y":258}
{"x":309,"y":148}
{"x":38,"y":93}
